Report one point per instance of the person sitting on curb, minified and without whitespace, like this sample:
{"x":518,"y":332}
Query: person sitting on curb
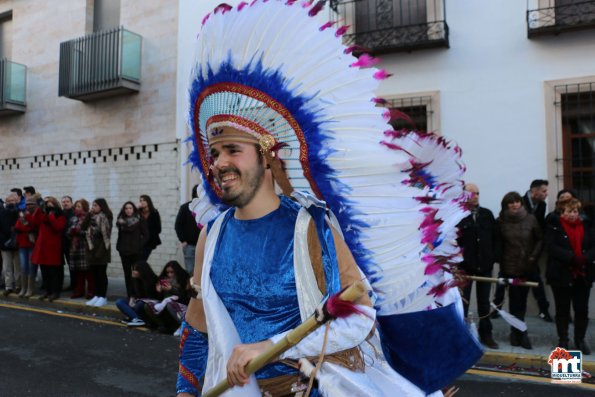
{"x":143,"y":280}
{"x":174,"y":285}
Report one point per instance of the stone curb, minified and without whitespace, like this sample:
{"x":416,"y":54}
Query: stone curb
{"x":529,"y":360}
{"x":66,"y":304}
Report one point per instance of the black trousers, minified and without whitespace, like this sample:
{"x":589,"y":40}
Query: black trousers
{"x":100,"y":274}
{"x":52,"y":277}
{"x":517,"y":302}
{"x":127,"y":262}
{"x":538,"y":292}
{"x":578,"y":295}
{"x":482,"y":293}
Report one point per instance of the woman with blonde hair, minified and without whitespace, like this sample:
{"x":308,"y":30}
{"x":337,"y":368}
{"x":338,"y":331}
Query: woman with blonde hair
{"x":571,"y":271}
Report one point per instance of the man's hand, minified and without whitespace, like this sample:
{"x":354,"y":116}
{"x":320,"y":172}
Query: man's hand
{"x":240,"y":357}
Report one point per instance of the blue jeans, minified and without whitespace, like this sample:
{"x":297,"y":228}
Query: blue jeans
{"x":189,"y":251}
{"x":27,"y":268}
{"x":131,"y":312}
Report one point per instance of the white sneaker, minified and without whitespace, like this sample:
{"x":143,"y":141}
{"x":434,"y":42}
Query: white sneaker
{"x":178,"y":332}
{"x":92,"y":301}
{"x":100,"y":302}
{"x":136,"y":322}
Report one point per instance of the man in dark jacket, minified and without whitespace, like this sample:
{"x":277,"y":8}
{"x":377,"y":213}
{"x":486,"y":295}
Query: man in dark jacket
{"x":534,"y":203}
{"x":187,"y":232}
{"x":8,"y":247}
{"x":480,"y":241}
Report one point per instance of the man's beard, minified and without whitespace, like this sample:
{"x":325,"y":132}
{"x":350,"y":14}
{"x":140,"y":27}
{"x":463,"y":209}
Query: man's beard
{"x":251,"y":181}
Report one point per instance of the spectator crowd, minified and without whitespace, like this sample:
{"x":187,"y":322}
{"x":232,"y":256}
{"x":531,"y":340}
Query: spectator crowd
{"x":523,"y":240}
{"x":43,"y":235}
{"x":49,"y":234}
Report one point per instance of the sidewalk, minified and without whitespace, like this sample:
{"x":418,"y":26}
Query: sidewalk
{"x":542,"y":334}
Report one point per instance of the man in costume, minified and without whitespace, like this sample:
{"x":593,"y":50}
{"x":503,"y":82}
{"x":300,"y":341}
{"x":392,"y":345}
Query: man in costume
{"x":300,"y":199}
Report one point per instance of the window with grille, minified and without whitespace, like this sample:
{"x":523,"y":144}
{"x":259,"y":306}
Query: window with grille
{"x":419,"y":109}
{"x":576,"y":111}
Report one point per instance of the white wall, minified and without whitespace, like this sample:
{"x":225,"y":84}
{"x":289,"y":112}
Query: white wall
{"x":491,"y":84}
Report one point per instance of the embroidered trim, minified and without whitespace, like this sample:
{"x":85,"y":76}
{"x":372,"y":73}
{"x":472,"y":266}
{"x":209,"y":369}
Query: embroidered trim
{"x":185,"y":372}
{"x":201,"y":136}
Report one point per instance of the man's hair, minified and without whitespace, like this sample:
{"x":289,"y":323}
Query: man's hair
{"x":539,"y":183}
{"x":18,"y":191}
{"x":31,"y":190}
{"x":67,"y":197}
{"x":571,"y":191}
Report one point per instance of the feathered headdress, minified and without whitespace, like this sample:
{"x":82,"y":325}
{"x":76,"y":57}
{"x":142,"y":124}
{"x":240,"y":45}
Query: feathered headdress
{"x":273,"y":69}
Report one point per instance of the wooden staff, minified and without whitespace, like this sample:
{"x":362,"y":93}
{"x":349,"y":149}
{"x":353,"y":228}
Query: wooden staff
{"x":293,"y":337}
{"x":504,"y":281}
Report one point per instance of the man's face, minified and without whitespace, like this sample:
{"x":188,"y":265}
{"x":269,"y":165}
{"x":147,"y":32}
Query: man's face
{"x":237,"y":170}
{"x":473,"y":194}
{"x":66,"y":203}
{"x":12,"y":198}
{"x":539,"y":193}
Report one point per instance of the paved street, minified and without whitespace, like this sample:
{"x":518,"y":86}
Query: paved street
{"x":52,"y":356}
{"x":487,"y":386}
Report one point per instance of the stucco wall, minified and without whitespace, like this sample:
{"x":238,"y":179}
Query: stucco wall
{"x":55,"y":124}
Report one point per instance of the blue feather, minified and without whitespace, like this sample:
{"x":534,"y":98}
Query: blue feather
{"x":274,"y":84}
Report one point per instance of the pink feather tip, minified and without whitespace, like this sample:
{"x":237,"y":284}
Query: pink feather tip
{"x":307,"y":3}
{"x":518,"y":281}
{"x":442,"y":288}
{"x":365,"y":61}
{"x":242,"y":5}
{"x":382,"y":75}
{"x":206,"y":18}
{"x":355,"y":48}
{"x":339,"y":308}
{"x":341,"y":31}
{"x":379,"y":101}
{"x":316,"y":9}
{"x":327,"y":25}
{"x":223,"y":7}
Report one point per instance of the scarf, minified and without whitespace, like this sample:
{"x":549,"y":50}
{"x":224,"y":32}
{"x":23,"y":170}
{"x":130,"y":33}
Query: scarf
{"x":575,"y":232}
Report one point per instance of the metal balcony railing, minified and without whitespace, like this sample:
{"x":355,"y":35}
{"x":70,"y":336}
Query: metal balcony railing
{"x":560,"y":16}
{"x":101,"y":64}
{"x":13,"y":78}
{"x":383,"y":26}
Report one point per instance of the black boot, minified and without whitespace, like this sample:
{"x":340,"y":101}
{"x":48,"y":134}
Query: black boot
{"x":562,"y":328}
{"x":488,"y":340}
{"x":583,"y":346}
{"x":525,"y":342}
{"x":564,"y":344}
{"x":515,"y":337}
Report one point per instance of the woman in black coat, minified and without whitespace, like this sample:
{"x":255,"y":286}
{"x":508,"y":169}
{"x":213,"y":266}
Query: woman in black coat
{"x":571,"y":271}
{"x":151,"y":215}
{"x":133,"y":234}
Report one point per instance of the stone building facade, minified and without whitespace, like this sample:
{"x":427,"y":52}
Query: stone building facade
{"x":115,"y":147}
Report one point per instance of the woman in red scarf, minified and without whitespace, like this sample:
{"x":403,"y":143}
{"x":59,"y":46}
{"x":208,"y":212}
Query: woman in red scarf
{"x":571,"y":271}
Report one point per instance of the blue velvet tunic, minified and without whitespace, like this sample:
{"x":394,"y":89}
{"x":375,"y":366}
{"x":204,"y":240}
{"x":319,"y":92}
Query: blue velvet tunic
{"x":252,"y":272}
